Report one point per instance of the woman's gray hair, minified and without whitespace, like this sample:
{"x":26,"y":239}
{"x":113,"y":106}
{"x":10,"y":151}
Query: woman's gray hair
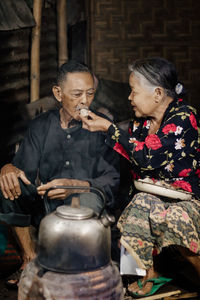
{"x":159,"y":72}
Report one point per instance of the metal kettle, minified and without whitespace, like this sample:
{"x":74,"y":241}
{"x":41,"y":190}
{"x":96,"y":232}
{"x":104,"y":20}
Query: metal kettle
{"x":74,"y":239}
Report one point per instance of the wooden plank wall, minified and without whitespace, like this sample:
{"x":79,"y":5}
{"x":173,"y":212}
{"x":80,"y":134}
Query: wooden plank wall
{"x":124,"y":30}
{"x":15,"y":59}
{"x":15,"y":75}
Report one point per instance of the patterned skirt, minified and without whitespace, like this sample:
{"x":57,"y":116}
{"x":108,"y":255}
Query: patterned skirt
{"x":148,"y":224}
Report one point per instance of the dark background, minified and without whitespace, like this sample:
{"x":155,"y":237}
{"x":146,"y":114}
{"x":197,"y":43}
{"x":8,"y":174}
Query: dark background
{"x":105,"y":34}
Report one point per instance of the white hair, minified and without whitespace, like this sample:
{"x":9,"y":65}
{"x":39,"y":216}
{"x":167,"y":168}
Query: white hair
{"x":144,"y":82}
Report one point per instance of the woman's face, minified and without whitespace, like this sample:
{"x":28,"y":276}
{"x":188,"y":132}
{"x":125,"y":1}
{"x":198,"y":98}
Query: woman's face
{"x":142,"y":98}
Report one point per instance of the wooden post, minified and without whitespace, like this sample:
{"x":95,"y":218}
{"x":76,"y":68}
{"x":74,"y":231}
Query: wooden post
{"x":62,"y":31}
{"x":35,"y":51}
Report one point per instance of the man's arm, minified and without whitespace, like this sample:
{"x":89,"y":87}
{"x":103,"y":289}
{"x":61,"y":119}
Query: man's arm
{"x":62,"y":193}
{"x":108,"y":174}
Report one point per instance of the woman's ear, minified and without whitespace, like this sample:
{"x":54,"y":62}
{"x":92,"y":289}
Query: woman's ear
{"x":57,"y":93}
{"x":159,"y":93}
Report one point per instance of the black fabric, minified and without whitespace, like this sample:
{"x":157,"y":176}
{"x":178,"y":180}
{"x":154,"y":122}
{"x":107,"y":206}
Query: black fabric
{"x":18,"y":212}
{"x":50,"y":152}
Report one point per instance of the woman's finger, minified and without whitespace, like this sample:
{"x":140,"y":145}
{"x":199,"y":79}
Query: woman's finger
{"x":91,"y":115}
{"x":89,"y":123}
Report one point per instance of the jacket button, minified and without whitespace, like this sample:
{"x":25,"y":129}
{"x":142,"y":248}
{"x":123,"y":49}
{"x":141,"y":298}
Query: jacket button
{"x":68,"y":136}
{"x":67,"y":163}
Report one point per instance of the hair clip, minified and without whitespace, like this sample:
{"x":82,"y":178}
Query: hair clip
{"x":178,"y":88}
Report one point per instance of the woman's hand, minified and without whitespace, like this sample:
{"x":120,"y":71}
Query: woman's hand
{"x":93,"y":122}
{"x":61,"y":193}
{"x":9,"y":182}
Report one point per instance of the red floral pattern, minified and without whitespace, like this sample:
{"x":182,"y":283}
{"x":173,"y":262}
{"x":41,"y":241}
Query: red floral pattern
{"x":198,"y":172}
{"x":193,"y":121}
{"x":134,"y":175}
{"x":168,"y":128}
{"x":193,"y":246}
{"x":118,"y":147}
{"x":184,"y":173}
{"x":152,"y":141}
{"x":145,"y":123}
{"x":139,"y":145}
{"x":171,"y":154}
{"x":183,"y":185}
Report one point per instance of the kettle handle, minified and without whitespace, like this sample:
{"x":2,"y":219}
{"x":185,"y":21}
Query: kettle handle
{"x":101,"y":193}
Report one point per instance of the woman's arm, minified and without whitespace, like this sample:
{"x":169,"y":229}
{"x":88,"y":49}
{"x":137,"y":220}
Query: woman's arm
{"x":92,"y":122}
{"x":176,"y":139}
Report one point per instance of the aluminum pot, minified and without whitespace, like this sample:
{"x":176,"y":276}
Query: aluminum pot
{"x":74,"y":239}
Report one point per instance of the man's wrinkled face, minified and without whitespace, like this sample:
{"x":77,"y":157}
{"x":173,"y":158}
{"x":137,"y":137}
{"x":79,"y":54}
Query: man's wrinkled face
{"x":76,"y":92}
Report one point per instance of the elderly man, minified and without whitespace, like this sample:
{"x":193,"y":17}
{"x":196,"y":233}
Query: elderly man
{"x":58,"y":151}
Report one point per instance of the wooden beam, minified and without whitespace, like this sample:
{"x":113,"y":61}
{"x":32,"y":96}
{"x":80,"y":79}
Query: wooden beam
{"x":162,"y":295}
{"x":35,"y":51}
{"x":62,"y":31}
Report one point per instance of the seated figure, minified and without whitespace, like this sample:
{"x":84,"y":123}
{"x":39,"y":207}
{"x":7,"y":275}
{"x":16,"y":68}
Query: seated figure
{"x":162,"y":145}
{"x":57,"y":151}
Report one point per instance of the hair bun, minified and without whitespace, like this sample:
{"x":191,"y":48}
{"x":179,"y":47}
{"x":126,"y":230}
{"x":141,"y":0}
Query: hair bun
{"x":179,"y":88}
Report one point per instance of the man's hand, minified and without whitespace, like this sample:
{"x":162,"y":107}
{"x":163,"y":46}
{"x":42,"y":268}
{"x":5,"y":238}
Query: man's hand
{"x":93,"y":122}
{"x":61,"y":193}
{"x":9,"y":182}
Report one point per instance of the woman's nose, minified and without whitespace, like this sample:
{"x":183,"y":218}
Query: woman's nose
{"x":130,"y":97}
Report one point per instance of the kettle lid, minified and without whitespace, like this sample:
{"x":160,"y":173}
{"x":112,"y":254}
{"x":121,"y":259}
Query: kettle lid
{"x":75,"y":213}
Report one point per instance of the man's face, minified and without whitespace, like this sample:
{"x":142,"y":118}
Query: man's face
{"x":76,"y":92}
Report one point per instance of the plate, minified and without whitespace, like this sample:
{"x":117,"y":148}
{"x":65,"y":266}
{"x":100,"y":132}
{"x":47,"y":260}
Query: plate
{"x":158,"y":189}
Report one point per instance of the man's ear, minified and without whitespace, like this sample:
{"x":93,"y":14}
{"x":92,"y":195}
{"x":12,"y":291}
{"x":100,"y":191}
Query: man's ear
{"x":57,"y":93}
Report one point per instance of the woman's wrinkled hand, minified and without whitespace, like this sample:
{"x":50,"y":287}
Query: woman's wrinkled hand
{"x":93,"y":122}
{"x":9,"y":182}
{"x":61,"y":193}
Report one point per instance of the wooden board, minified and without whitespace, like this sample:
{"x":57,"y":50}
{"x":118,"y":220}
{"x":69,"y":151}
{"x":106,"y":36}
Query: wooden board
{"x":169,"y":292}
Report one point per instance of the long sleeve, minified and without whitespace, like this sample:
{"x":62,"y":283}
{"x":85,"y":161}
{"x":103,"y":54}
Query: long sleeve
{"x":169,"y":143}
{"x":74,"y":153}
{"x":171,"y":153}
{"x":107,"y":174}
{"x":28,"y":156}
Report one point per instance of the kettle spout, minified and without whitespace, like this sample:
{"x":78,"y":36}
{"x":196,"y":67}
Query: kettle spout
{"x":108,"y":220}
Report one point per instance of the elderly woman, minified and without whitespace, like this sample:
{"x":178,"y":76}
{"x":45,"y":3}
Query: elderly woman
{"x":162,"y":145}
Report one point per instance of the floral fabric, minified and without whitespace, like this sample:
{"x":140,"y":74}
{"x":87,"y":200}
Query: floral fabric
{"x":171,"y":154}
{"x":148,"y":223}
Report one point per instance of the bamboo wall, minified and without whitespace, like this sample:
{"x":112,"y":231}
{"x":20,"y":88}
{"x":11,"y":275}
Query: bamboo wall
{"x":15,"y":76}
{"x":15,"y":59}
{"x":124,"y":30}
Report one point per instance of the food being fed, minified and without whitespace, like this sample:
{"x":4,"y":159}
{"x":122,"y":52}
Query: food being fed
{"x":84,"y":112}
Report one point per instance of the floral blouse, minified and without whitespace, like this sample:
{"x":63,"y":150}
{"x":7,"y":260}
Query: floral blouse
{"x":171,"y":154}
